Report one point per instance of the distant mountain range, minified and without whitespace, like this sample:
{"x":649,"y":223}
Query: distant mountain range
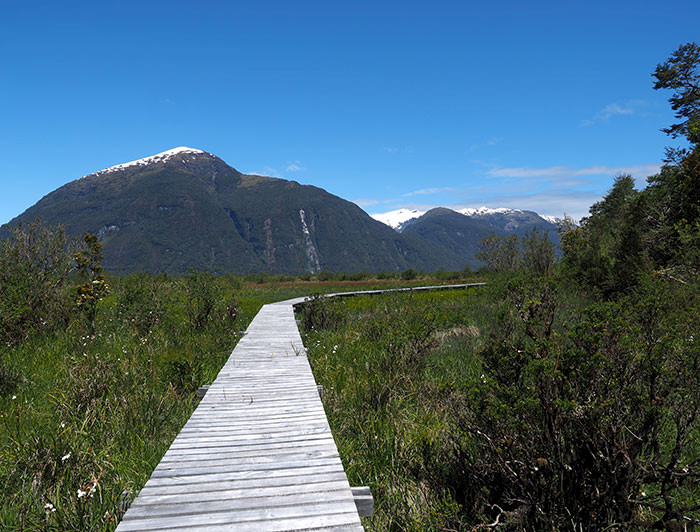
{"x":401,"y":218}
{"x":461,"y":231}
{"x":187,"y":209}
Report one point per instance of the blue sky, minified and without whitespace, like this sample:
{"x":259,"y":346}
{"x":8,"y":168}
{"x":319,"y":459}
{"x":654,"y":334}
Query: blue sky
{"x":533,"y":105}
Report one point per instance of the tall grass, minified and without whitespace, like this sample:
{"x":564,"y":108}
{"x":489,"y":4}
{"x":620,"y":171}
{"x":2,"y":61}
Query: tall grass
{"x":85,"y":416}
{"x":389,"y":366}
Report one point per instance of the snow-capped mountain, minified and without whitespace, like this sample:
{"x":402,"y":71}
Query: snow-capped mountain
{"x":397,"y":219}
{"x":402,"y":218}
{"x":485,"y":211}
{"x":161,"y":157}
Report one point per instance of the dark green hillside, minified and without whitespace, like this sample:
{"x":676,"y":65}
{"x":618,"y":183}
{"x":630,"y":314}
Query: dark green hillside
{"x":192,"y":210}
{"x":461,"y":235}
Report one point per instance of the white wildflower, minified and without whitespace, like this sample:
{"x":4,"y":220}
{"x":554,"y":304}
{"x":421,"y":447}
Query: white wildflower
{"x":14,"y":397}
{"x":66,"y":457}
{"x":81,"y":493}
{"x":49,"y":507}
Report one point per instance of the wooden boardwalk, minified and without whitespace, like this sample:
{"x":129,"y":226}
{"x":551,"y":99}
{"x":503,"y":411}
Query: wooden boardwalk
{"x":257,"y":454}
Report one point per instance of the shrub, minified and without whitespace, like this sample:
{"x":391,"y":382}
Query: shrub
{"x":35,"y":264}
{"x":318,"y":313}
{"x":409,"y":275}
{"x":589,"y":426}
{"x":140,"y":301}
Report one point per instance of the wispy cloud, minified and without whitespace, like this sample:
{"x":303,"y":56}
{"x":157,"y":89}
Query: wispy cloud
{"x":295,"y":166}
{"x":630,"y":107}
{"x":394,"y":149}
{"x":366,"y":202}
{"x":491,"y":142}
{"x":551,"y":190}
{"x":266,"y":171}
{"x":638,"y":171}
{"x":428,"y":191}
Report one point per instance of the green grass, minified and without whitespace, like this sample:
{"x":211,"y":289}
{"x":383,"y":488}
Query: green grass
{"x":389,"y":368}
{"x":86,"y":417}
{"x":442,"y":404}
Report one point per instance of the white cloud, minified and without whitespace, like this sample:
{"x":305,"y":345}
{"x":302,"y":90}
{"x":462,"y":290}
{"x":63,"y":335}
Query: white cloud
{"x":638,"y":171}
{"x":614,"y":109}
{"x":490,"y":142}
{"x":389,"y":149}
{"x":267,"y":171}
{"x":365,"y":202}
{"x":295,"y":166}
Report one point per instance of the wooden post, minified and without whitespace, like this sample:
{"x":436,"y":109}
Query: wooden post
{"x":202,"y":391}
{"x":320,"y":390}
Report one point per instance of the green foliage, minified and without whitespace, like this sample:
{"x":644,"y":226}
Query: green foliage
{"x":85,"y":417}
{"x":534,"y":252}
{"x":184,"y":374}
{"x":94,"y":288}
{"x":538,"y":253}
{"x":525,"y":404}
{"x":35,"y":265}
{"x":409,"y":275}
{"x":587,"y":426}
{"x":140,"y":301}
{"x":500,"y":253}
{"x":630,"y":232}
{"x":206,"y":305}
{"x":318,"y":313}
{"x":681,"y":73}
{"x":604,"y":252}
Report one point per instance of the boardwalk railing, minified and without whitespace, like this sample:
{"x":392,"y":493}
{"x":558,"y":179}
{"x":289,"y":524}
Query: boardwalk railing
{"x":257,"y":454}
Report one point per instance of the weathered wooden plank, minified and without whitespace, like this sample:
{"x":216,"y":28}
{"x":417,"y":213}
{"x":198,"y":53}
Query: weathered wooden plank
{"x":242,"y":516}
{"x":344,"y":522}
{"x":278,"y":500}
{"x":211,"y":483}
{"x":146,"y":499}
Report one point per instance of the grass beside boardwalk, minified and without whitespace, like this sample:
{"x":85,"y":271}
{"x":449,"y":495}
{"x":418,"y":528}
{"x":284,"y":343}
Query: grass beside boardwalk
{"x":525,"y":404}
{"x":87,"y":414}
{"x":390,"y":365}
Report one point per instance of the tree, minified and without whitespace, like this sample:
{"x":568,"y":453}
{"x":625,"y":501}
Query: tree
{"x":681,"y":73}
{"x":605,"y":251}
{"x":500,"y":253}
{"x":538,"y":252}
{"x":671,"y":202}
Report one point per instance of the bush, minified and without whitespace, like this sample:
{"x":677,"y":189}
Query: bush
{"x":35,"y":264}
{"x":591,"y":426}
{"x":319,"y":313}
{"x":207,"y":304}
{"x":140,"y":301}
{"x":325,"y":275}
{"x":409,"y":275}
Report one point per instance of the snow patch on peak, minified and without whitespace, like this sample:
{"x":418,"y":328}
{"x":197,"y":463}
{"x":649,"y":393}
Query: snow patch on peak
{"x":157,"y":158}
{"x":396,"y":219}
{"x":485,"y":211}
{"x":552,"y":219}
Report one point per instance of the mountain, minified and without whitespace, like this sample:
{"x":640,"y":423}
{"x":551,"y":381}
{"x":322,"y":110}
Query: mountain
{"x":460,"y":232}
{"x":187,"y":209}
{"x":398,"y":219}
